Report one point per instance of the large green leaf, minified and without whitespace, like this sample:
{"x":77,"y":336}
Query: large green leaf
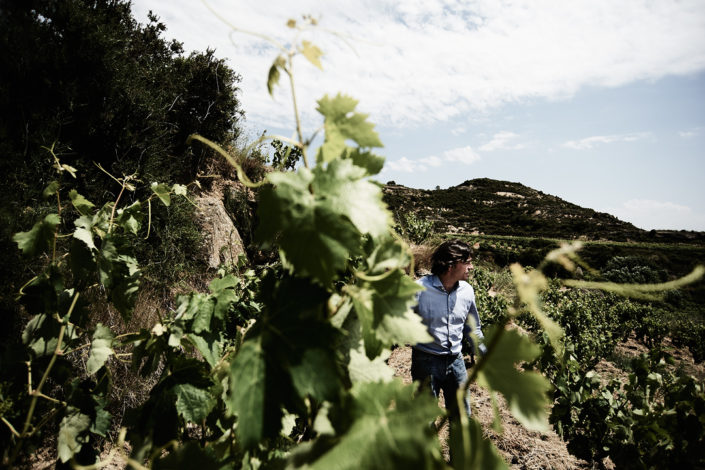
{"x":39,"y":238}
{"x":41,"y":335}
{"x":389,"y":430}
{"x":163,"y":192}
{"x":384,"y":309}
{"x":247,"y":392}
{"x":349,"y":193}
{"x":82,"y":205}
{"x":342,"y":123}
{"x":72,"y":433}
{"x":525,"y":392}
{"x":51,"y":189}
{"x":469,"y":449}
{"x":101,"y":348}
{"x":313,"y":237}
{"x":372,"y":163}
{"x":193,"y":403}
{"x":130,"y":217}
{"x":315,"y":374}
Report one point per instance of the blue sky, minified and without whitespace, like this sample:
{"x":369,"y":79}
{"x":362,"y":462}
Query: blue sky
{"x":598,"y":102}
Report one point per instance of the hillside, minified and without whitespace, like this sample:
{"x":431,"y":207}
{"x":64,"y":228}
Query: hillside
{"x":490,"y":206}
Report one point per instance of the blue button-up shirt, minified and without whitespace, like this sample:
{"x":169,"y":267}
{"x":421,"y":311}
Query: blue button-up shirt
{"x":445,"y":314}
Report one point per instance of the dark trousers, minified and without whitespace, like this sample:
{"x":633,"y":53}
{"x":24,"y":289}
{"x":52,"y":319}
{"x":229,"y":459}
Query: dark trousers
{"x":445,"y":373}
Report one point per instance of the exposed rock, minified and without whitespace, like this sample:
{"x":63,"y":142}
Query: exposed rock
{"x":221,"y":240}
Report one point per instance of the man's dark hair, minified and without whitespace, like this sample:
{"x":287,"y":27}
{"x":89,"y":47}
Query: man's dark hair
{"x":449,"y":253}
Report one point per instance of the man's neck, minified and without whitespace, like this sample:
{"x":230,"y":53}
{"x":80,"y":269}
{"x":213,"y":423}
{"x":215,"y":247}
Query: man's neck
{"x":448,"y":283}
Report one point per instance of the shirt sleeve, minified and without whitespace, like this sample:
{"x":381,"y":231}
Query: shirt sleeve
{"x":472,"y":313}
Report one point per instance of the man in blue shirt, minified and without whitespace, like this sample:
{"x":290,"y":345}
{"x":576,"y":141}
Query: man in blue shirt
{"x":445,"y":305}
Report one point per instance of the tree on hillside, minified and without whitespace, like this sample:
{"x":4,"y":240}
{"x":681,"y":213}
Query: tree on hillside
{"x":85,"y":79}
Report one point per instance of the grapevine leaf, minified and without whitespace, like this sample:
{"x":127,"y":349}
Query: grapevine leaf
{"x":41,"y":335}
{"x":360,"y":367}
{"x":209,"y":344}
{"x":384,"y":309}
{"x":83,"y":232}
{"x":39,"y":238}
{"x":162,"y":192}
{"x":342,"y":123}
{"x":101,"y":348}
{"x":471,"y":450}
{"x":389,"y":430}
{"x":126,"y":286}
{"x":312,"y":53}
{"x":525,"y":392}
{"x":82,"y":205}
{"x":528,"y":287}
{"x":246,"y":396}
{"x":101,"y":424}
{"x":348,"y":193}
{"x":41,"y":294}
{"x":315,"y":374}
{"x":179,"y":190}
{"x":219,"y":285}
{"x":189,"y":455}
{"x":193,"y":403}
{"x":51,"y":189}
{"x":130,"y":217}
{"x":274,"y":75}
{"x":312,"y":237}
{"x":72,"y":433}
{"x":372,"y":163}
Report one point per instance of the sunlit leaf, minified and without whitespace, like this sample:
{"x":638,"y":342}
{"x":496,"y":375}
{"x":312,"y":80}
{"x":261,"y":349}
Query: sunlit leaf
{"x":39,"y":238}
{"x":312,"y":53}
{"x":246,"y":397}
{"x":342,"y":123}
{"x":525,"y":392}
{"x":348,"y":192}
{"x":314,"y":238}
{"x":50,"y":190}
{"x":389,"y":430}
{"x":193,"y":403}
{"x":163,"y":192}
{"x":72,"y":433}
{"x":101,"y":348}
{"x":82,"y":205}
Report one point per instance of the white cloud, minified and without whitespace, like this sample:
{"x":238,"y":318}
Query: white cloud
{"x":404,"y":165}
{"x":649,"y":214}
{"x":590,"y":142}
{"x":504,"y":140}
{"x":420,"y":62}
{"x":464,"y":155}
{"x":694,"y":132}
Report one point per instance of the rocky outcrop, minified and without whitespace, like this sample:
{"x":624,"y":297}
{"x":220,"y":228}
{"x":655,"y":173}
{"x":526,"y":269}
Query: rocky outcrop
{"x":222,"y":243}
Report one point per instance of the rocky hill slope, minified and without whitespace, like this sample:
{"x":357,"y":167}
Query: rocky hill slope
{"x":490,"y":206}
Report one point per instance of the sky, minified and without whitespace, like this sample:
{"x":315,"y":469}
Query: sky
{"x":598,"y":102}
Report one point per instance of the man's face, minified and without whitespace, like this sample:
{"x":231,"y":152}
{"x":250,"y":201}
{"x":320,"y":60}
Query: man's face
{"x":460,"y":270}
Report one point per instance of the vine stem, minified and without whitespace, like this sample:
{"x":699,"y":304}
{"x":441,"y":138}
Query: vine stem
{"x":112,"y":214}
{"x":12,"y":428}
{"x":296,"y":108}
{"x":36,"y":393}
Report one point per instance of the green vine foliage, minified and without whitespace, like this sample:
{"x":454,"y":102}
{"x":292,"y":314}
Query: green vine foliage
{"x":282,"y":369}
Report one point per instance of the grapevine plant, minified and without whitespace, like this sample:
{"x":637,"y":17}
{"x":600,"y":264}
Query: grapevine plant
{"x":297,"y":378}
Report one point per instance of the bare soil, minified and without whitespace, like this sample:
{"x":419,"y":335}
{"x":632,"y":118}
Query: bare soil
{"x":521,"y":449}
